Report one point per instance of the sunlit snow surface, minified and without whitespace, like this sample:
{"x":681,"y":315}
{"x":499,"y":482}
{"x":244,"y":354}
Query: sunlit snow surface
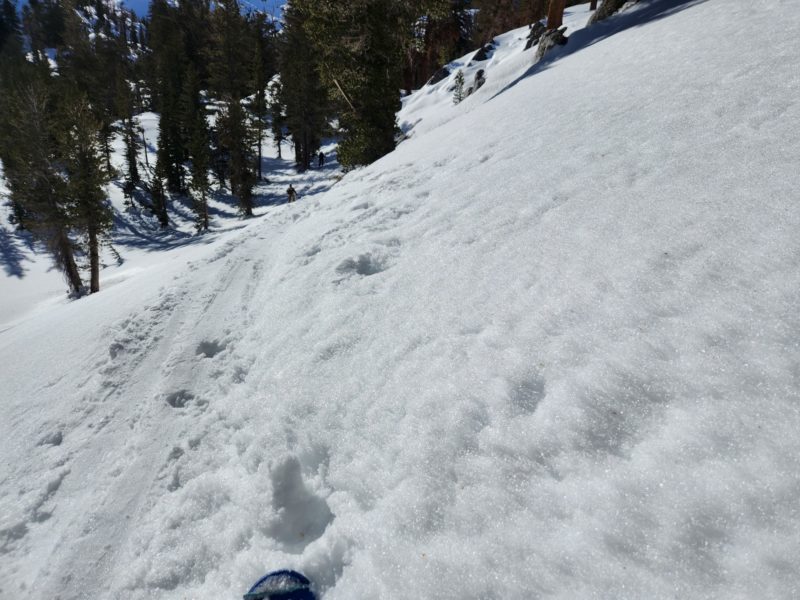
{"x":547,"y":349}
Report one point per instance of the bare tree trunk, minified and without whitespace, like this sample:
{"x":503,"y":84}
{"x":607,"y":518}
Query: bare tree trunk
{"x":106,"y":135}
{"x":204,"y":213}
{"x":247,"y":202}
{"x":260,"y":144}
{"x":408,"y":72}
{"x":66,"y":258}
{"x":130,"y":152}
{"x":94,"y":260}
{"x":160,"y":203}
{"x":555,"y":14}
{"x":593,"y":5}
{"x":305,"y":153}
{"x":144,"y":145}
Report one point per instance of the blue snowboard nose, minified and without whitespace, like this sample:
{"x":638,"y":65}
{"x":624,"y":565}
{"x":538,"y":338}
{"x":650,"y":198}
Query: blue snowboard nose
{"x":281,"y":585}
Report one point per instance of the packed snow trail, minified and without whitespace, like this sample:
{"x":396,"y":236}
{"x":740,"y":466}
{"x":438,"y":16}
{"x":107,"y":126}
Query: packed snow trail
{"x":547,"y":349}
{"x":146,"y":360}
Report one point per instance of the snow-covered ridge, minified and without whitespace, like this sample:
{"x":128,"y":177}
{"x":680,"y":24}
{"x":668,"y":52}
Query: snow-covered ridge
{"x":548,"y":349}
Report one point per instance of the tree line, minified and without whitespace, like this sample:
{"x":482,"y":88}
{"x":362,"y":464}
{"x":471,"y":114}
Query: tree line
{"x":75,"y":73}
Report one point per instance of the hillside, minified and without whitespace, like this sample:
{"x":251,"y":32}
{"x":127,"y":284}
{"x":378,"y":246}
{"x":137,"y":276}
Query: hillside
{"x":545,"y":349}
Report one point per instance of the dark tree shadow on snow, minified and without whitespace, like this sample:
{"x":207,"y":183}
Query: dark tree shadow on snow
{"x":646,"y":11}
{"x":281,"y":172}
{"x":130,"y":235}
{"x":137,"y":226}
{"x":11,"y":256}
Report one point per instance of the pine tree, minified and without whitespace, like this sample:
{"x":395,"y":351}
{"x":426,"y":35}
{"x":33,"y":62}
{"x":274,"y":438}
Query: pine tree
{"x":32,"y":170}
{"x":158,"y":191}
{"x":200,"y":155}
{"x":190,"y":104}
{"x":300,"y":92}
{"x":125,"y":110}
{"x":234,"y":136}
{"x":133,"y":35}
{"x":76,"y":58}
{"x":53,"y":21}
{"x":220,"y":158}
{"x":92,"y":67}
{"x":33,"y":28}
{"x":198,"y":140}
{"x":9,"y":22}
{"x":86,"y":177}
{"x":258,"y":105}
{"x":103,"y":97}
{"x":43,"y":23}
{"x":361,"y":45}
{"x":262,"y":70}
{"x":194,"y":22}
{"x":171,"y":148}
{"x":229,"y":52}
{"x":458,"y":92}
{"x":167,"y":67}
{"x":228,"y":78}
{"x":12,"y":67}
{"x":12,"y":58}
{"x":277,"y":116}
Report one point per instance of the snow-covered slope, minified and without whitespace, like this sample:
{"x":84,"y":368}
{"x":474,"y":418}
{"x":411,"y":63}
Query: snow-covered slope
{"x":504,"y":64}
{"x":545,"y":349}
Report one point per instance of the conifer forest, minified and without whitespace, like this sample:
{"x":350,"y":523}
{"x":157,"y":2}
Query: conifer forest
{"x":220,"y":74}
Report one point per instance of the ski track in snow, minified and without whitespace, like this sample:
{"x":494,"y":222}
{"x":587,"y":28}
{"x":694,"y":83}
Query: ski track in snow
{"x":172,"y":346}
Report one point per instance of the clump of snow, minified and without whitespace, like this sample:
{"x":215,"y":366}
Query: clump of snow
{"x":547,"y":348}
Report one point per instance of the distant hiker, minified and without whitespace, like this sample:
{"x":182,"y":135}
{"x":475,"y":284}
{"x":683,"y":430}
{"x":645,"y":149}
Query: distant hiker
{"x":321,"y":159}
{"x":292,"y":193}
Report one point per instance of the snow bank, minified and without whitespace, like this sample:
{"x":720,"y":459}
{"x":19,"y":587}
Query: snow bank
{"x":548,"y":349}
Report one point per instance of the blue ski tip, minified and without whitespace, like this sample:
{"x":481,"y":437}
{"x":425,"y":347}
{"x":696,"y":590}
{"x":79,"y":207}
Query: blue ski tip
{"x":281,"y":585}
